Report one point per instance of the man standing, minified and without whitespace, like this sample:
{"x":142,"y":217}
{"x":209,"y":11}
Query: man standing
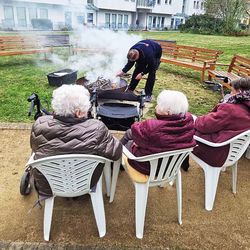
{"x":147,"y":55}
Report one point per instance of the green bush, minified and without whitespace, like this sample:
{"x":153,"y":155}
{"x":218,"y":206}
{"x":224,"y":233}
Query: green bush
{"x":202,"y":24}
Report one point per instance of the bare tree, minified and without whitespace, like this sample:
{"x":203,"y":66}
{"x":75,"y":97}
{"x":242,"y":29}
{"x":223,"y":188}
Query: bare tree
{"x":230,"y":11}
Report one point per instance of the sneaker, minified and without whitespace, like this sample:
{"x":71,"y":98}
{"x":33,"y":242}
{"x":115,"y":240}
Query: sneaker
{"x":148,"y":98}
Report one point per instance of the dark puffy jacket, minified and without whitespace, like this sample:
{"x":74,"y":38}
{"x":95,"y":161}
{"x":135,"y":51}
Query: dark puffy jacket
{"x":224,"y":122}
{"x":56,"y":135}
{"x":165,"y":133}
{"x":150,"y":54}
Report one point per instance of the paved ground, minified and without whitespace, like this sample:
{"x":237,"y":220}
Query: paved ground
{"x":73,"y":225}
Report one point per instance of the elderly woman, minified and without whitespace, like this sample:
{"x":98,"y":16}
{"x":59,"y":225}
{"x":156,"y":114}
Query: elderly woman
{"x":172,"y":129}
{"x":68,"y":131}
{"x":225,"y":121}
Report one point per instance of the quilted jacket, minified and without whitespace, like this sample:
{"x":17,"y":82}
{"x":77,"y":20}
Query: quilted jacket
{"x":224,"y":122}
{"x":53,"y":135}
{"x":165,"y":133}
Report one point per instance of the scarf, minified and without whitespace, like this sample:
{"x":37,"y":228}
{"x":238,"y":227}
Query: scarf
{"x":240,"y":97}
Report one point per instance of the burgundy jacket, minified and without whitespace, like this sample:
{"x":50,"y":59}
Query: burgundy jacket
{"x":165,"y":133}
{"x":225,"y":121}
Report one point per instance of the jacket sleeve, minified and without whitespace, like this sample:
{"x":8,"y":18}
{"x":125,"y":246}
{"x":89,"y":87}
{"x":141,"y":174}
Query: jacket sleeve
{"x":107,"y":145}
{"x":213,"y":121}
{"x":128,"y":66}
{"x":140,"y":132}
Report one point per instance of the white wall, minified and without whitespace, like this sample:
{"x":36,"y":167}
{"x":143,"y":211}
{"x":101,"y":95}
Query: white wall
{"x":193,"y":8}
{"x":122,"y":5}
{"x":166,"y":8}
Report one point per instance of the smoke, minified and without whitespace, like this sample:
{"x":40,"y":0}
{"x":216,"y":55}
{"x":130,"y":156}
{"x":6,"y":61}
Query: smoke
{"x":108,"y":50}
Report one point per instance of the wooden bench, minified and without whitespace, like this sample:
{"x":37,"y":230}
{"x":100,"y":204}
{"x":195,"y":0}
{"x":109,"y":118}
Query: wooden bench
{"x":21,"y":45}
{"x":188,"y":56}
{"x":238,"y":68}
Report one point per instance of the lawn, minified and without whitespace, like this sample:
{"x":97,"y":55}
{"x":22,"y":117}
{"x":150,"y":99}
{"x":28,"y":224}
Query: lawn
{"x":22,"y":75}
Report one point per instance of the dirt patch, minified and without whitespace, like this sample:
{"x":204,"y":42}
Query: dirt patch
{"x":226,"y":227}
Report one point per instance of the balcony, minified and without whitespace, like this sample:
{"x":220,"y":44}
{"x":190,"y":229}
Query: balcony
{"x":145,"y":4}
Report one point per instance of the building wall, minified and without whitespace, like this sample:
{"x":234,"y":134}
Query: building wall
{"x":61,"y":15}
{"x":122,"y":5}
{"x":194,"y":7}
{"x":124,"y":14}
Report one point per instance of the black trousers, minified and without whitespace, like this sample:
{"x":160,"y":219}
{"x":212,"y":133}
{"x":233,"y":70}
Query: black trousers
{"x":150,"y":80}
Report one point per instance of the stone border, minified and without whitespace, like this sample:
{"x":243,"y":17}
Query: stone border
{"x":10,"y":125}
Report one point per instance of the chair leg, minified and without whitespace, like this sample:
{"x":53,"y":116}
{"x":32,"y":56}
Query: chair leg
{"x":107,"y":175}
{"x":116,"y":170}
{"x":48,"y":210}
{"x":98,"y":207}
{"x":141,"y":196}
{"x":234,"y":177}
{"x":179,"y":196}
{"x":211,"y":182}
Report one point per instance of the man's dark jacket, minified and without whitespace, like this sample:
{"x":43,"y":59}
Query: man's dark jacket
{"x":149,"y":56}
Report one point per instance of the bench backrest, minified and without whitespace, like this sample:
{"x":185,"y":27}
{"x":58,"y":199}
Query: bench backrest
{"x":55,"y":40}
{"x":190,"y":53}
{"x":240,"y":66}
{"x":8,"y":43}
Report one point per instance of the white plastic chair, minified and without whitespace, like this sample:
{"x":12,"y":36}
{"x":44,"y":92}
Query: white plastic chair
{"x":70,"y":176}
{"x":169,"y":171}
{"x":238,"y":146}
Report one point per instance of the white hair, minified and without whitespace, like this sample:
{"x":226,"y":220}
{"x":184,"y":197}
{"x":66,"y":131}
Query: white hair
{"x":68,"y":99}
{"x":173,"y":102}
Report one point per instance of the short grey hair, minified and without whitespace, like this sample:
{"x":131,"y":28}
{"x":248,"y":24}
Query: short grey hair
{"x":174,"y":102}
{"x":68,"y":99}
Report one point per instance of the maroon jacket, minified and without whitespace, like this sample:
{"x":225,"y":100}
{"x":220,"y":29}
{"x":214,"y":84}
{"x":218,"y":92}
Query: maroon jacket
{"x":165,"y":133}
{"x":225,"y":121}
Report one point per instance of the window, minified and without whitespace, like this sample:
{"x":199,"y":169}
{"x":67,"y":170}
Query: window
{"x":8,"y":16}
{"x":202,"y":5}
{"x":150,"y":22}
{"x":194,"y":5}
{"x":90,"y":18}
{"x":166,"y":1}
{"x":170,"y":2}
{"x":154,"y":22}
{"x":125,"y":22}
{"x":90,"y":1}
{"x":113,"y":21}
{"x":44,"y":13}
{"x":162,"y":22}
{"x":158,"y":1}
{"x":197,"y":5}
{"x":107,"y":20}
{"x":21,"y":16}
{"x":119,"y":21}
{"x":32,"y":13}
{"x":158,"y":22}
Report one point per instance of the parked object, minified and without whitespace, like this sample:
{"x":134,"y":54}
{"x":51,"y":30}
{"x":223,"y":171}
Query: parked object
{"x":189,"y":57}
{"x":238,"y":68}
{"x":238,"y":146}
{"x":64,"y":76}
{"x":169,"y":171}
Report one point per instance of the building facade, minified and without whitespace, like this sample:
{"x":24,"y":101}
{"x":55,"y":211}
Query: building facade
{"x":111,"y":14}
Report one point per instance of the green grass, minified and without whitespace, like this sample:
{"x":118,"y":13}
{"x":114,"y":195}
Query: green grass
{"x":22,"y":75}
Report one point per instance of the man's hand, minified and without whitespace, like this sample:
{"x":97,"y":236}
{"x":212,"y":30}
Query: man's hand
{"x":120,"y":73}
{"x":139,"y":76}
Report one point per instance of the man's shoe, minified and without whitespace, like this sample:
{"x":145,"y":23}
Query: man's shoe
{"x":148,"y":98}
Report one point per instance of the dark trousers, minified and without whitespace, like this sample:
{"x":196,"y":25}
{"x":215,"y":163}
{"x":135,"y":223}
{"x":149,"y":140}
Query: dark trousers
{"x":150,"y":80}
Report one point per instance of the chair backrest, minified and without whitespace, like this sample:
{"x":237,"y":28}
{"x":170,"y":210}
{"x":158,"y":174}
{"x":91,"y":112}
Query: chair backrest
{"x":238,"y":146}
{"x":68,"y":175}
{"x":165,"y":166}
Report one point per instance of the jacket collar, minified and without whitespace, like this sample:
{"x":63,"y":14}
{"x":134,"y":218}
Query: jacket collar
{"x":169,"y":117}
{"x":71,"y":120}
